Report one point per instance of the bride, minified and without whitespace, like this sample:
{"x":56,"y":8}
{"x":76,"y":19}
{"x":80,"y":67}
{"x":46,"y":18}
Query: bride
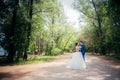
{"x":77,"y":61}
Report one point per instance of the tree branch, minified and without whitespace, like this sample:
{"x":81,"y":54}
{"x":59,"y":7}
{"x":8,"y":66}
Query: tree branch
{"x":47,"y":10}
{"x":88,"y":15}
{"x":39,"y":12}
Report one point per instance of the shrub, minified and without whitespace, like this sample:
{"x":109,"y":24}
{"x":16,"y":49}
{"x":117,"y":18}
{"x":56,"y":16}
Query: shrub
{"x":56,"y":51}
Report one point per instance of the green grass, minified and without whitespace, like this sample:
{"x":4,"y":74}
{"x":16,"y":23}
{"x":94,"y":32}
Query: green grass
{"x":31,"y":60}
{"x":114,"y":57}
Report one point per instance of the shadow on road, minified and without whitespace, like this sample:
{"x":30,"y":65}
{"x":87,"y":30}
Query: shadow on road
{"x":11,"y":76}
{"x":97,"y":69}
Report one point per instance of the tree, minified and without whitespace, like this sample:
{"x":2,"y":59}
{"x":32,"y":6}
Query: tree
{"x":93,"y":11}
{"x":113,"y":38}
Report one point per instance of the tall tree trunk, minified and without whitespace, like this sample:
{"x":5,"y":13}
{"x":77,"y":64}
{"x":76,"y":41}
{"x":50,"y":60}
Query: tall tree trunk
{"x":11,"y":37}
{"x":29,"y":28}
{"x":100,"y":36}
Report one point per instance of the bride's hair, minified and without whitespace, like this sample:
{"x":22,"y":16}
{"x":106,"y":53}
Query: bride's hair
{"x":76,"y":44}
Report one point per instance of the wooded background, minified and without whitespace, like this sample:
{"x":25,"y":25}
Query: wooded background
{"x":40,"y":27}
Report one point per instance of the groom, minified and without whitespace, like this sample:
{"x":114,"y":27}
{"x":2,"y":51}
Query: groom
{"x":82,"y":49}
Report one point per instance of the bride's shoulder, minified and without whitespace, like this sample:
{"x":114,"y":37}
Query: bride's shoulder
{"x":77,"y":46}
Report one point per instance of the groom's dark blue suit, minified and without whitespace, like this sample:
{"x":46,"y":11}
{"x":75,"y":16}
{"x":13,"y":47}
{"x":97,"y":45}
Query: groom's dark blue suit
{"x":82,"y":50}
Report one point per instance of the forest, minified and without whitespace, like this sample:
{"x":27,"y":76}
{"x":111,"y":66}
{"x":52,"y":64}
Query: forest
{"x":40,"y":27}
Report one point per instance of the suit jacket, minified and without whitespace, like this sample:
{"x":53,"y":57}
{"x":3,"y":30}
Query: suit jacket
{"x":82,"y":49}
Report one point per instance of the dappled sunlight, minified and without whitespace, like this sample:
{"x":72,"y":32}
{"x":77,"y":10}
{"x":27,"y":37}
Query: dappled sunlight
{"x":88,"y":60}
{"x":40,"y":38}
{"x":95,"y":70}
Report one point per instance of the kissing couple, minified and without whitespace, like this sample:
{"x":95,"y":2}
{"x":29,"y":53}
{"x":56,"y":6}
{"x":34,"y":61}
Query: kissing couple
{"x":78,"y":57}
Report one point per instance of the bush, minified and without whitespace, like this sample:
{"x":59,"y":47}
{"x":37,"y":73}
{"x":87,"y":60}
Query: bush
{"x":56,"y":51}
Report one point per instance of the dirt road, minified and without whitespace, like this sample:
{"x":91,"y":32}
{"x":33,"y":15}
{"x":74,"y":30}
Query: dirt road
{"x":98,"y":68}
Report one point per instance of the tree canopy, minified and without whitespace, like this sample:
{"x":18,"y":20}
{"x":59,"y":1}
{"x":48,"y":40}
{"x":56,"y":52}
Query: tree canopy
{"x":40,"y":27}
{"x":34,"y":26}
{"x":101,"y":31}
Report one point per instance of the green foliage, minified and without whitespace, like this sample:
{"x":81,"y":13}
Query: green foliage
{"x":104,"y":38}
{"x":50,"y":29}
{"x":56,"y":51}
{"x":37,"y":26}
{"x":32,"y":48}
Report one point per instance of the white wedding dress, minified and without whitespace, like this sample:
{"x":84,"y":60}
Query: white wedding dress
{"x":77,"y":61}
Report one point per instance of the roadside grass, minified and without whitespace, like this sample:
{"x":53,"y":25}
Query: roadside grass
{"x":32,"y":59}
{"x":114,"y":57}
